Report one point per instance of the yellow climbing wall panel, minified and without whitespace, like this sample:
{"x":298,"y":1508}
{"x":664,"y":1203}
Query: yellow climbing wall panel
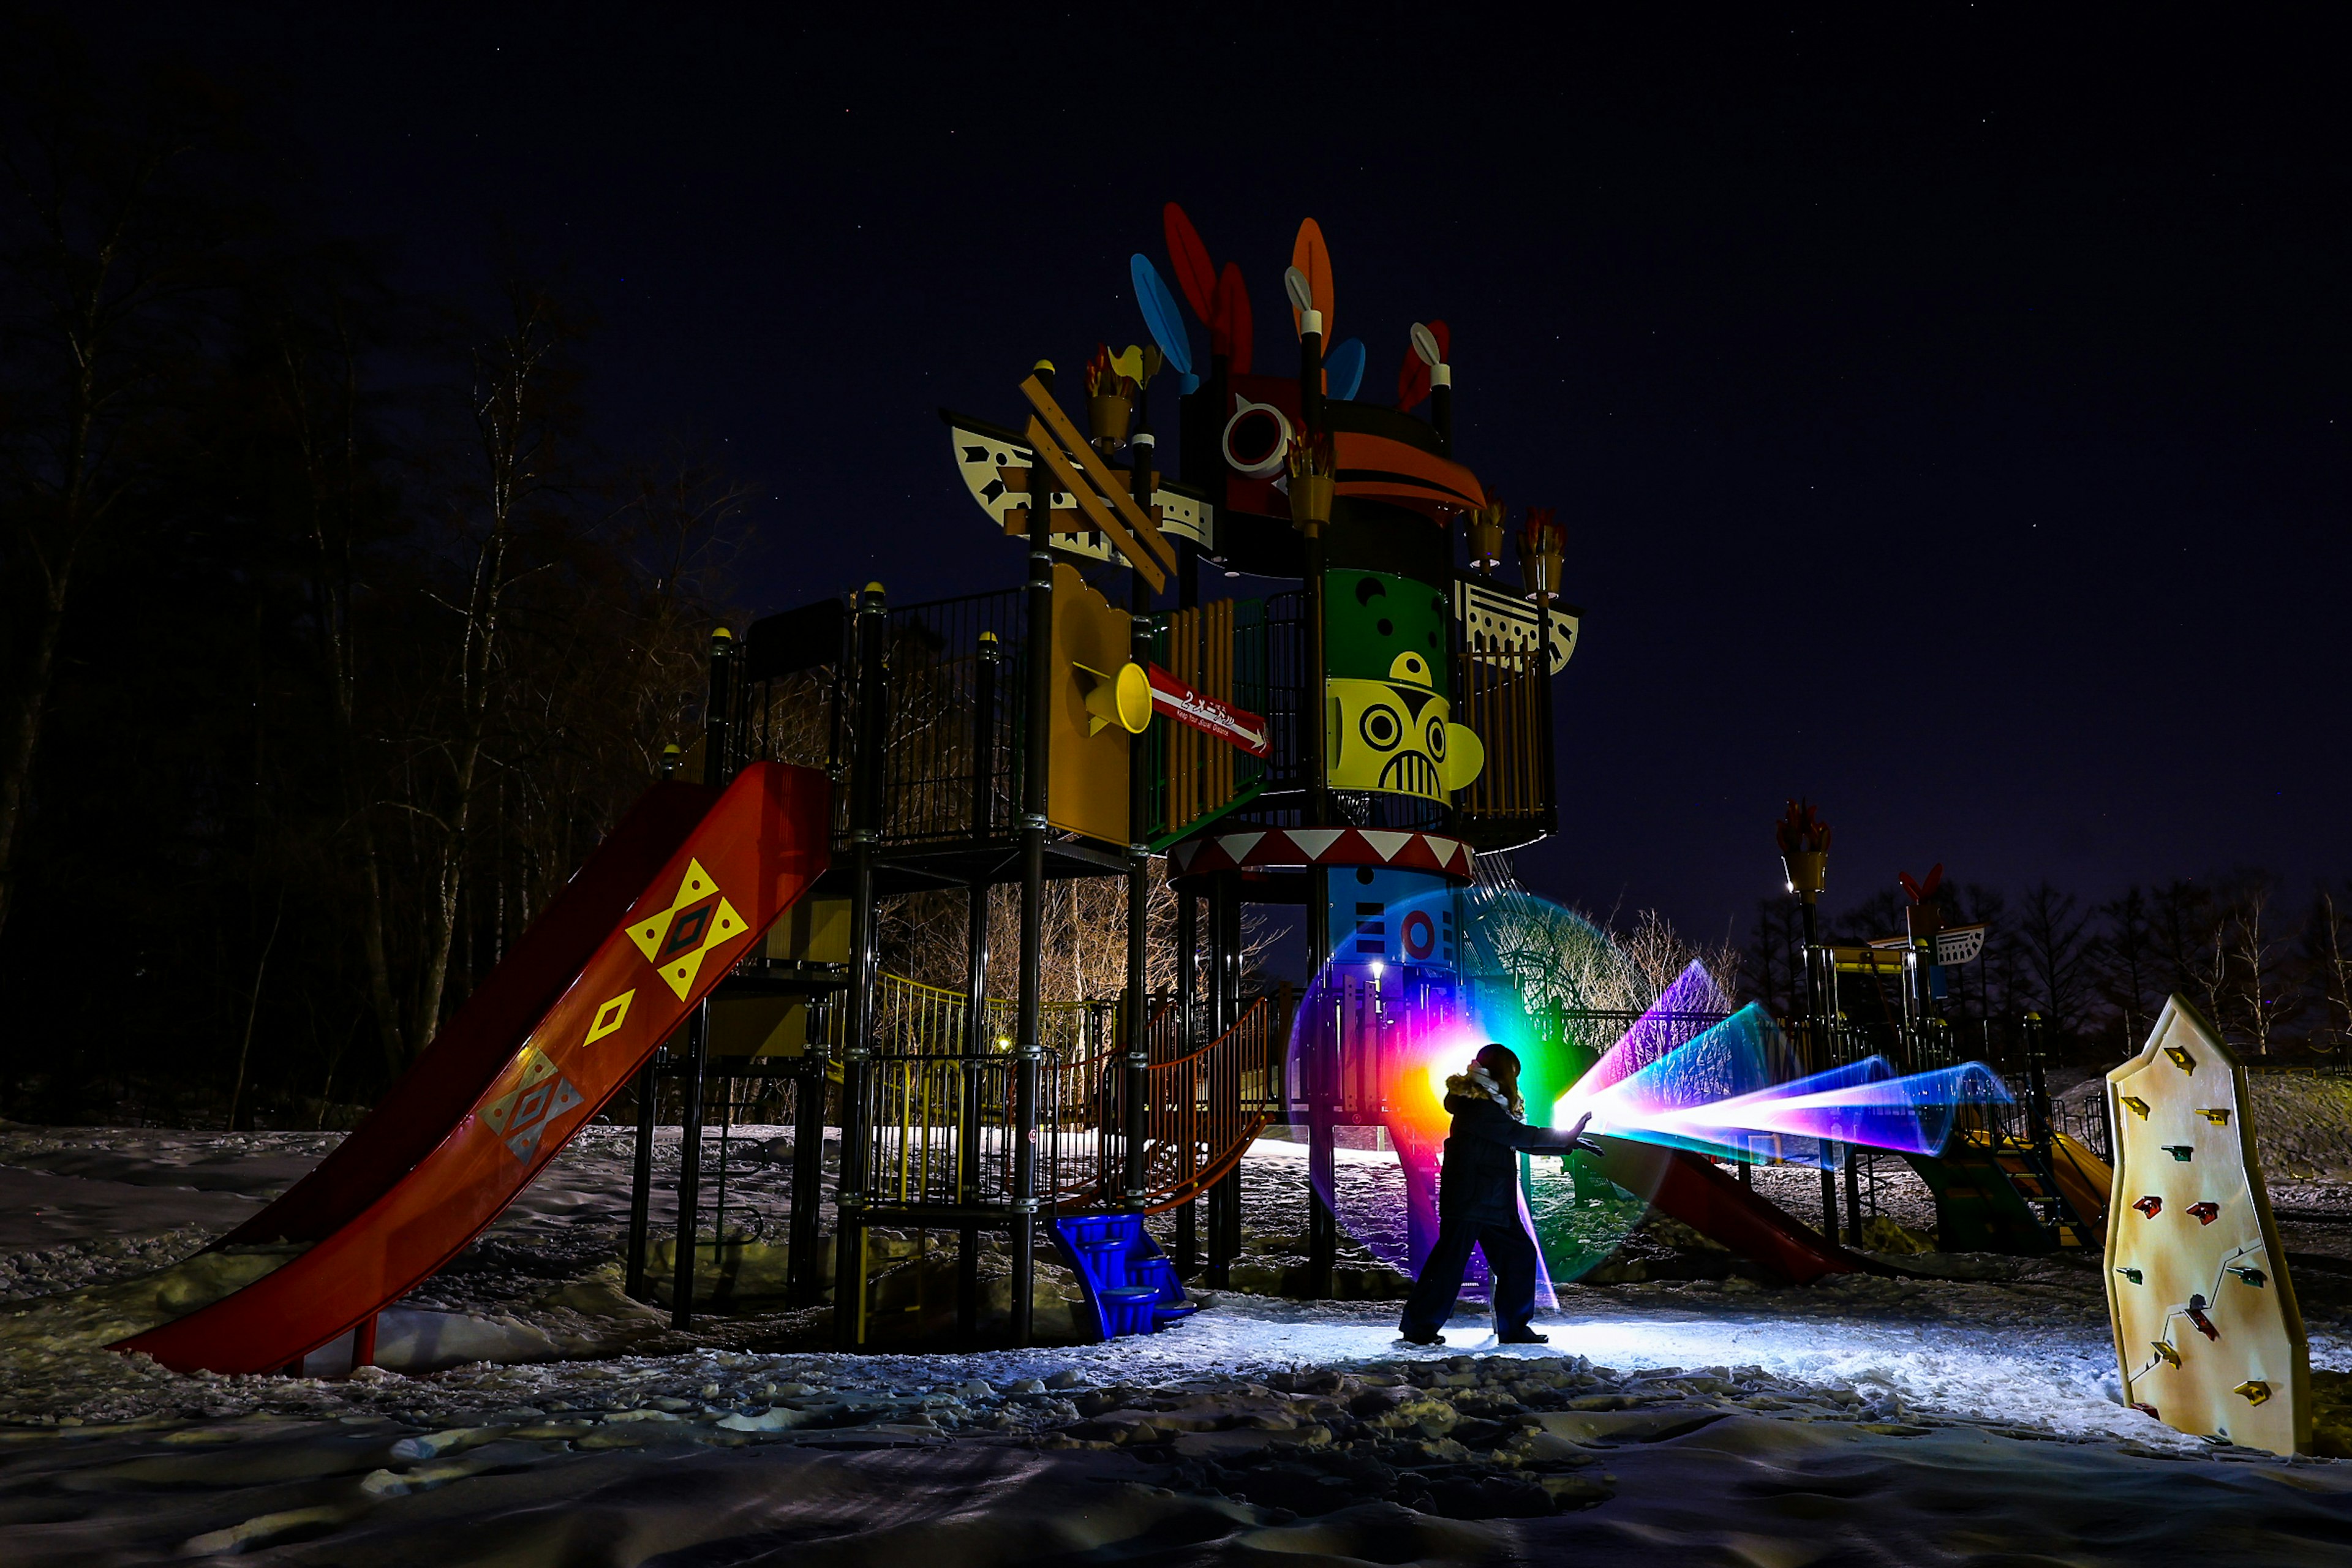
{"x":2207,"y":1332}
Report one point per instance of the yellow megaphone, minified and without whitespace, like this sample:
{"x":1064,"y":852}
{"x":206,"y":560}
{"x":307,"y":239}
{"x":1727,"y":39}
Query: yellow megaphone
{"x":1123,"y":699}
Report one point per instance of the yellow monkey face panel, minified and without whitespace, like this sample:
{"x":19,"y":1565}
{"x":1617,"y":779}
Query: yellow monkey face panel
{"x":1397,"y":735}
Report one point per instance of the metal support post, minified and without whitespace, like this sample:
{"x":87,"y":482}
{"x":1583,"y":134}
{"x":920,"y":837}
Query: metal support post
{"x":689,"y":1166}
{"x":1224,"y":989}
{"x":975,"y":980}
{"x":1817,"y":1020}
{"x":1187,"y":1039}
{"x":715,"y":774}
{"x":1322,"y":1225}
{"x":1028,"y":1048}
{"x":801,"y":1283}
{"x":641,"y":1181}
{"x":866,"y":785}
{"x":1134,"y":1006}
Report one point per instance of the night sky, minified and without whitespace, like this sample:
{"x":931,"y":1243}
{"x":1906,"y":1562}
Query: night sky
{"x":1947,"y":414}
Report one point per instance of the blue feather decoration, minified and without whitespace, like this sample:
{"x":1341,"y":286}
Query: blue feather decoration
{"x":1343,"y":370}
{"x":1159,"y":314}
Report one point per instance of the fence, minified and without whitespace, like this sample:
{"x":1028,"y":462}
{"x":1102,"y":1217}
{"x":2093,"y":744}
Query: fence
{"x":1202,"y":1109}
{"x":946,"y":1130}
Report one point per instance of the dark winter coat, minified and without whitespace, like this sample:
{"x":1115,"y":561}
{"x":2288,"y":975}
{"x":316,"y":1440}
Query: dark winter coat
{"x":1480,"y":1178}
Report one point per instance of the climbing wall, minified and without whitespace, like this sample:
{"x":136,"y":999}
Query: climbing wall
{"x":2207,"y":1332}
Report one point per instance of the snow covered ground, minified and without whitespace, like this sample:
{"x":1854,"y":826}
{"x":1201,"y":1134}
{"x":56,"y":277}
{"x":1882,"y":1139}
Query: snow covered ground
{"x":1864,"y":1420}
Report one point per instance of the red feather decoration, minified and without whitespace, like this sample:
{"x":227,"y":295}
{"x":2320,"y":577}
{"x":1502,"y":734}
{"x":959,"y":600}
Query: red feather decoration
{"x":1195,"y":273}
{"x":1232,"y":325}
{"x":1413,"y":376}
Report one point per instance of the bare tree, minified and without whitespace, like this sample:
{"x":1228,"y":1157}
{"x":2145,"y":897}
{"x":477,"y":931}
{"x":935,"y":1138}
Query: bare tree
{"x":2249,"y":957}
{"x":2329,"y":943}
{"x":2128,"y":974}
{"x":2059,"y":953}
{"x":105,"y":259}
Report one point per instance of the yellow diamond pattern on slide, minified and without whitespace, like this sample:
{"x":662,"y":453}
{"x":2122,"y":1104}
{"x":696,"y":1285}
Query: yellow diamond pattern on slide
{"x":610,"y":1016}
{"x":521,"y":1114}
{"x":698,"y":918}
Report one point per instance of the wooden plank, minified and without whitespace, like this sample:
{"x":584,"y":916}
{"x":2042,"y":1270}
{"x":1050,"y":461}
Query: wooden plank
{"x":1091,"y":504}
{"x":1066,"y":434}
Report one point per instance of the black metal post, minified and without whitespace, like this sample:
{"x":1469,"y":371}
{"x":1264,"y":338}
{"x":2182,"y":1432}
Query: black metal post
{"x":975,"y":980}
{"x":1322,"y":1225}
{"x":1027,"y":1047}
{"x":866,"y":786}
{"x":1134,"y":1005}
{"x":802,"y":1281}
{"x":1817,"y":1018}
{"x":1547,"y":754}
{"x":1224,"y":994}
{"x":1188,"y":1039}
{"x":641,"y":1179}
{"x":689,"y":1166}
{"x":716,"y":732}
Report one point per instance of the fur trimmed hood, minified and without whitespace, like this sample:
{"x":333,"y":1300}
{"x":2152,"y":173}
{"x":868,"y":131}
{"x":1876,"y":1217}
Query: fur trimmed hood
{"x":1475,"y":1084}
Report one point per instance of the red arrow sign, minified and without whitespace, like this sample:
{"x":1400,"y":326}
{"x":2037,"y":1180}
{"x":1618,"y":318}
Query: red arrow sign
{"x":1180,"y":702}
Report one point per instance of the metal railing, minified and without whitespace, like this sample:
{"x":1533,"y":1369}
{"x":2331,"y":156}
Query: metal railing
{"x":1498,"y":693}
{"x":911,"y":1018}
{"x":945,"y":1130}
{"x":1202,"y":1112}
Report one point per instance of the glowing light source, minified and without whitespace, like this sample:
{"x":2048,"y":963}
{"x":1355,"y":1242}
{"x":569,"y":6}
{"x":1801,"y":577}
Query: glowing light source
{"x":1689,"y":1072}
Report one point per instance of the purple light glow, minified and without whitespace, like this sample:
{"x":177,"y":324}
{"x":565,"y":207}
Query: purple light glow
{"x":1714,"y":1092}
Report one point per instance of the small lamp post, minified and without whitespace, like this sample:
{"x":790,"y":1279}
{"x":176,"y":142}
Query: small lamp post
{"x":1804,"y":840}
{"x":1484,"y":528}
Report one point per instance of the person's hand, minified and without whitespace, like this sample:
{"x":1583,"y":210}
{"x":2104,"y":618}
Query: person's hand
{"x":1577,"y":1141}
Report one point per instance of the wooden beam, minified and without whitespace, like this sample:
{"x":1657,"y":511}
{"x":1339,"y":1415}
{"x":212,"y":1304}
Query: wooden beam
{"x":1066,"y":434}
{"x":1091,"y":504}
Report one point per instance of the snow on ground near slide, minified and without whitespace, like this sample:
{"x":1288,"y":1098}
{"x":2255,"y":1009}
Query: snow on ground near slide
{"x":2028,"y":1346}
{"x":2061,"y":1380}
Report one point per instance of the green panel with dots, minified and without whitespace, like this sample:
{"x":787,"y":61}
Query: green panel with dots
{"x":1370,"y":617}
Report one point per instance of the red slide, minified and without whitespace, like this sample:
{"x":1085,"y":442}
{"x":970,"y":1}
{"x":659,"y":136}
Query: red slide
{"x":658,"y":915}
{"x":1687,"y":1187}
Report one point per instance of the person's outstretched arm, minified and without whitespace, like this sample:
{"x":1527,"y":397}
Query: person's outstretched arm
{"x":1496,"y":1125}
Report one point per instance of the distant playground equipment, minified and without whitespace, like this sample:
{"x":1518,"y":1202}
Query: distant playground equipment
{"x":1690,"y":1081}
{"x":2208,"y":1335}
{"x":1349,"y":743}
{"x":2009,"y":1178}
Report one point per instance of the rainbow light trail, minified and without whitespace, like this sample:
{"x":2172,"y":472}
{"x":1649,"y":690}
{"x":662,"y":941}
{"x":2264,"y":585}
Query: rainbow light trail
{"x":1723,"y":1091}
{"x":1682,"y":1074}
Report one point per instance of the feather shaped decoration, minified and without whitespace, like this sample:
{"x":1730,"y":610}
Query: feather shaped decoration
{"x":1195,"y":273}
{"x":1232,"y":318}
{"x":1413,"y":376}
{"x":1160,"y":315}
{"x":1343,"y":370}
{"x":1313,"y":258}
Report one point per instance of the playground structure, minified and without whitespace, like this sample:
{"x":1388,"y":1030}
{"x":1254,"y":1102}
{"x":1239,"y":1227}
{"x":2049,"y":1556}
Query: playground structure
{"x":1345,"y":744}
{"x":2011,"y":1178}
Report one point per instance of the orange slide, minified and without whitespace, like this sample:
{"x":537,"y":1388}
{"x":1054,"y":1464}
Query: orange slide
{"x":1687,"y":1187}
{"x":677,"y":893}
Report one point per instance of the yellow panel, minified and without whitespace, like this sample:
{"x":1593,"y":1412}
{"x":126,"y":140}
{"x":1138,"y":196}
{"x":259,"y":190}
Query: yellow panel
{"x":813,"y":930}
{"x":758,"y":1027}
{"x":1086,"y":778}
{"x":2207,"y":1331}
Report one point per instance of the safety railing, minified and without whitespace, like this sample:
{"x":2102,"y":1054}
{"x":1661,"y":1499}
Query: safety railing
{"x":1201,"y":1110}
{"x":1498,"y":693}
{"x":911,"y":1018}
{"x":946,"y":1131}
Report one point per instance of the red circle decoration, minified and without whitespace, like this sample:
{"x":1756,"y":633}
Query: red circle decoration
{"x":1419,"y":937}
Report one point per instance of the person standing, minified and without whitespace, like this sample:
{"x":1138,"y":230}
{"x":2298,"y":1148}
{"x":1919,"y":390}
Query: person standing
{"x":1478,"y":1202}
